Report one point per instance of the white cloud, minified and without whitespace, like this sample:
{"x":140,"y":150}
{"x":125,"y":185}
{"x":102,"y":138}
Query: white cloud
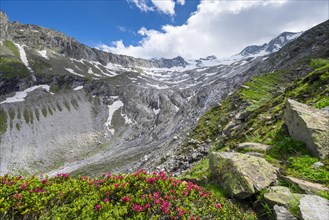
{"x":142,"y":5}
{"x":224,"y":28}
{"x":163,"y":6}
{"x":167,"y":7}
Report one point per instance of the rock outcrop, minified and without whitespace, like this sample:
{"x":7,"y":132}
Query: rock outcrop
{"x":241,"y":175}
{"x":308,"y":125}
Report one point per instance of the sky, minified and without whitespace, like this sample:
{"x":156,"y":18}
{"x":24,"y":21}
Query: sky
{"x":170,"y":28}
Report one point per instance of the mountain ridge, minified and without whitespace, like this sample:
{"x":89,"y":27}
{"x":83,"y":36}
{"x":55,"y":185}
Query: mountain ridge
{"x":148,"y":111}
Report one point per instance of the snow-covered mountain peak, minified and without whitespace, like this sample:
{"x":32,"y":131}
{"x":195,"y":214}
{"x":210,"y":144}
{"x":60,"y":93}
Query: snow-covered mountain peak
{"x":273,"y":46}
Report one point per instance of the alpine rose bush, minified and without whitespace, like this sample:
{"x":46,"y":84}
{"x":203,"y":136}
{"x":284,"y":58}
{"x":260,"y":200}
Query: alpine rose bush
{"x":140,"y":195}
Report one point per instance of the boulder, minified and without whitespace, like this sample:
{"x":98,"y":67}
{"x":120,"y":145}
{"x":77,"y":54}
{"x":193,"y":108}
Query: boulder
{"x":314,"y":207}
{"x":241,"y":175}
{"x":307,"y":187}
{"x":282,"y":198}
{"x":250,"y":146}
{"x":281,"y":213}
{"x":309,"y":125}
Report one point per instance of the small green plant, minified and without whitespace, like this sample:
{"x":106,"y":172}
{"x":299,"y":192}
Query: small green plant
{"x":323,"y":102}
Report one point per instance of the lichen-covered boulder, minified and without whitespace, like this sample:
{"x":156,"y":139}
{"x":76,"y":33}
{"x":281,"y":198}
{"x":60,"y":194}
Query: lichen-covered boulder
{"x":309,"y":125}
{"x":282,"y":198}
{"x":241,"y":175}
{"x":314,"y":207}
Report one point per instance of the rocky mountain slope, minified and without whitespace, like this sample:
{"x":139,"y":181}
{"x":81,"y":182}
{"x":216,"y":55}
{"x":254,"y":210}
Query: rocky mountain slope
{"x":95,"y":108}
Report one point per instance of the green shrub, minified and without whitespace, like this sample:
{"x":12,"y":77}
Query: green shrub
{"x":317,"y":63}
{"x":133,"y":196}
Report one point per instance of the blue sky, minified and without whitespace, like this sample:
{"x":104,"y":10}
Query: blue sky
{"x":168,"y":28}
{"x":94,"y":22}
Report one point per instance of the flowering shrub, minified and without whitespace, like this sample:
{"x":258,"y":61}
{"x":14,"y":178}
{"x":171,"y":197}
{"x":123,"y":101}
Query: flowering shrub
{"x":132,"y":196}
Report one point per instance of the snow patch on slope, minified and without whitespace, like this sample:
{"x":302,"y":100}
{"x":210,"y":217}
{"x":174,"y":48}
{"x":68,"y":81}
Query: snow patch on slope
{"x":78,"y":88}
{"x":43,"y":53}
{"x":113,"y":108}
{"x":23,"y":57}
{"x":20,"y":96}
{"x":74,"y":73}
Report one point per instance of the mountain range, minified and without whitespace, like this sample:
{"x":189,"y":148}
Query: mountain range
{"x":66,"y":107}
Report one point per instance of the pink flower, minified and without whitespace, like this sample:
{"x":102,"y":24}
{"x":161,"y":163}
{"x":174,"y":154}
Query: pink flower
{"x":97,"y":207}
{"x":24,"y":185}
{"x":147,"y":206}
{"x":156,"y":195}
{"x":165,"y":206}
{"x":150,"y":180}
{"x":107,"y":193}
{"x":106,"y":200}
{"x":181,"y":212}
{"x":126,"y":199}
{"x":157,"y":201}
{"x":137,"y":208}
{"x":116,"y":185}
{"x":44,"y":181}
{"x":184,"y":193}
{"x":218,"y":206}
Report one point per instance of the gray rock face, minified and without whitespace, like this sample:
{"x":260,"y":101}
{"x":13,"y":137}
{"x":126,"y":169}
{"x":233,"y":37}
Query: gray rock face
{"x":308,"y":125}
{"x":281,"y":213}
{"x":3,"y":25}
{"x":47,"y":130}
{"x":241,"y":175}
{"x":314,"y":208}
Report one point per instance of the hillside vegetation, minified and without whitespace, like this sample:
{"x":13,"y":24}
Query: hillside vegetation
{"x":140,"y":195}
{"x":261,"y":102}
